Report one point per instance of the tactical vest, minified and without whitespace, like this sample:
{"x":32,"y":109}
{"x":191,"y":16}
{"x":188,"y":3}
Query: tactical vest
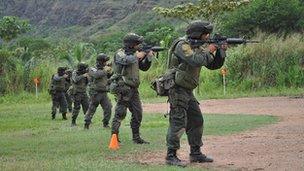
{"x":129,"y":73}
{"x":186,"y":76}
{"x":58,"y":85}
{"x":67,"y":84}
{"x":80,"y":86}
{"x":98,"y":84}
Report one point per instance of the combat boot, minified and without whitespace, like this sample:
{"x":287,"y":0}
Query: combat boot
{"x":173,"y":160}
{"x":138,"y":140}
{"x":106,"y":125}
{"x":73,"y":122}
{"x":86,"y":126}
{"x":64,"y":116}
{"x":196,"y":156}
{"x":53,"y":116}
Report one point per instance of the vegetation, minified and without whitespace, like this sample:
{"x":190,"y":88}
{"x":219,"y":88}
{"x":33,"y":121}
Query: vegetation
{"x":272,"y":66}
{"x":32,"y":140}
{"x":269,"y":16}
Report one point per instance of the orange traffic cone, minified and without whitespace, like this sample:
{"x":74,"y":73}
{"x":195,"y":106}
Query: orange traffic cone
{"x":114,"y":145}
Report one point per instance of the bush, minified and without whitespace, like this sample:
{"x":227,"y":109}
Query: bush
{"x":272,"y":63}
{"x":270,"y":16}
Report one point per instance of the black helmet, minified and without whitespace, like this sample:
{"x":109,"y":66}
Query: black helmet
{"x":82,"y":66}
{"x":61,"y":69}
{"x":197,"y":28}
{"x":132,"y":39}
{"x":102,"y":57}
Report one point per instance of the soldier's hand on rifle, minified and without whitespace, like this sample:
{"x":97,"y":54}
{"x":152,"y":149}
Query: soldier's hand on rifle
{"x":140,"y":55}
{"x":86,"y":75}
{"x":108,"y":69}
{"x":212,"y":47}
{"x":151,"y":53}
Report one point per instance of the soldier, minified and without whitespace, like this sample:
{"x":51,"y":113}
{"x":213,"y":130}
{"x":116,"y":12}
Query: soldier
{"x":57,"y":91}
{"x":125,"y":83}
{"x":79,"y":90}
{"x":187,"y":56}
{"x":98,"y":87}
{"x":67,"y":86}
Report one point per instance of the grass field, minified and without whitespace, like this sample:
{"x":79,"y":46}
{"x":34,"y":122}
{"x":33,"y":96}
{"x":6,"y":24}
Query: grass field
{"x":30,"y":140}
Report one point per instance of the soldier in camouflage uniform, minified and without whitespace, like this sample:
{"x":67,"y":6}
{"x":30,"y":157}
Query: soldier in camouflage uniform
{"x":187,"y":57}
{"x":98,"y":88}
{"x":127,"y":62}
{"x":79,"y":90}
{"x":67,"y":86}
{"x":57,"y":91}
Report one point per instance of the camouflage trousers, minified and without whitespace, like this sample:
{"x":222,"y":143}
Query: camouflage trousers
{"x":69,"y":101}
{"x":80,"y":100}
{"x":185,"y":116}
{"x":99,"y":98}
{"x":59,"y":101}
{"x":129,"y":100}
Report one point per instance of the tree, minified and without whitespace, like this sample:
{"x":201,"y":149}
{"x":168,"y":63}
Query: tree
{"x":11,"y":27}
{"x":204,"y":8}
{"x":271,"y":16}
{"x":81,"y":52}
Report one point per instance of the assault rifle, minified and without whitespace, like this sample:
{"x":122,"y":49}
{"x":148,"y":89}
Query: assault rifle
{"x":146,"y":48}
{"x":218,"y":39}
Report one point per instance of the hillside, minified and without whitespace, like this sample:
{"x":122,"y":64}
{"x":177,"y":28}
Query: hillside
{"x":82,"y":18}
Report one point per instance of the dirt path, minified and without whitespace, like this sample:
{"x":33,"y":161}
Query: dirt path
{"x":274,"y":147}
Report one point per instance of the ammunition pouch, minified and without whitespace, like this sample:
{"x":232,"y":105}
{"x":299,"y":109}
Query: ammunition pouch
{"x":71,"y":91}
{"x":185,"y":80}
{"x":162,"y":84}
{"x":117,"y":85}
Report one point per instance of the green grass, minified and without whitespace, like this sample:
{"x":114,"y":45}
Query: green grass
{"x":29,"y":140}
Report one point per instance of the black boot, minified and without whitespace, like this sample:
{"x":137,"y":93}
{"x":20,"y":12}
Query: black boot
{"x":86,"y":126}
{"x":106,"y":125}
{"x":173,"y":160}
{"x":197,"y":156}
{"x":73,"y":122}
{"x":136,"y":137}
{"x":138,"y":140}
{"x":53,"y":116}
{"x":64,"y":116}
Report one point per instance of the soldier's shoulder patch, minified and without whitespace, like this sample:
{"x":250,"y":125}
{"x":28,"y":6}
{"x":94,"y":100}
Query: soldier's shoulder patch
{"x":187,"y":49}
{"x":121,"y":54}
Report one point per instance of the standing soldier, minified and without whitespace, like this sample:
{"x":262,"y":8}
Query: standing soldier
{"x":187,"y":56}
{"x":79,"y":90}
{"x":98,"y":87}
{"x":67,"y":86}
{"x":125,"y":83}
{"x":57,"y":91}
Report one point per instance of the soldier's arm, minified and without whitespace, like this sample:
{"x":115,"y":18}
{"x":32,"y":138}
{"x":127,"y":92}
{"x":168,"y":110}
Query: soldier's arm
{"x":219,"y":59}
{"x":76,"y":78}
{"x":195,"y":58}
{"x":98,"y":74}
{"x":123,"y":59}
{"x":145,"y":63}
{"x":56,"y":77}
